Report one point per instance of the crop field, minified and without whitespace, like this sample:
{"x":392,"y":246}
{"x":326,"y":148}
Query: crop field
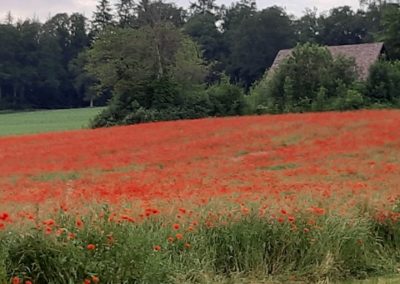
{"x":17,"y":123}
{"x":297,"y":198}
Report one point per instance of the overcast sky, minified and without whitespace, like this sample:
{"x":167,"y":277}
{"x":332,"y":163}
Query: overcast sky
{"x":45,"y":8}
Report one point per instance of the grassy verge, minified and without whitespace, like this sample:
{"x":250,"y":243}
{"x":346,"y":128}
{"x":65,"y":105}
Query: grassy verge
{"x":14,"y":123}
{"x":308,"y":248}
{"x":376,"y":280}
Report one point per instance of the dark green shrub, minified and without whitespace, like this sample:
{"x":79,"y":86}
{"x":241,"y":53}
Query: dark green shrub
{"x":383,"y":85}
{"x":351,"y":99}
{"x":311,"y":79}
{"x":226,"y":99}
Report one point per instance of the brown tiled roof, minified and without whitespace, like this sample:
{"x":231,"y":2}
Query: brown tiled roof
{"x":364,"y":54}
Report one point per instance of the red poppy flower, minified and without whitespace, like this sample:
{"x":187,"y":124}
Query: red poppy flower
{"x":91,"y":247}
{"x":4,"y":216}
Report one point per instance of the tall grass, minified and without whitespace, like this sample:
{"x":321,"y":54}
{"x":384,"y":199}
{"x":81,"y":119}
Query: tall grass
{"x":308,"y":248}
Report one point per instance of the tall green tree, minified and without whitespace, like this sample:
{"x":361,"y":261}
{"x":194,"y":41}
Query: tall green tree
{"x":343,"y":26}
{"x":203,"y":29}
{"x":125,"y":57}
{"x":28,"y":58}
{"x":148,"y":70}
{"x":126,"y":13}
{"x":83,"y":82}
{"x":238,"y":13}
{"x":154,"y":12}
{"x":102,"y":17}
{"x":308,"y":27}
{"x":8,"y":63}
{"x":51,"y":68}
{"x":34,"y":60}
{"x":203,"y":7}
{"x":68,"y":36}
{"x":78,"y":34}
{"x":391,"y":30}
{"x":254,"y":40}
{"x":58,"y":27}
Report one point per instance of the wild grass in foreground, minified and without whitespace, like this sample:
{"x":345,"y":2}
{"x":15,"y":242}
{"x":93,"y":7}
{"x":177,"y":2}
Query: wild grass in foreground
{"x":311,"y":247}
{"x":12,"y":123}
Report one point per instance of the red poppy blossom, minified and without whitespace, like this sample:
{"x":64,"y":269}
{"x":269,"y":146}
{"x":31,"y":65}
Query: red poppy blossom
{"x":49,"y":222}
{"x":317,"y":211}
{"x":79,"y":223}
{"x":91,"y":247}
{"x":4,"y":216}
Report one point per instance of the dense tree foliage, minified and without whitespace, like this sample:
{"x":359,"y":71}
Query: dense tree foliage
{"x":166,"y":62}
{"x":102,"y":17}
{"x":253,"y":42}
{"x":149,"y":70}
{"x":390,"y":33}
{"x":34,"y":62}
{"x":383,"y":85}
{"x":125,"y":11}
{"x":311,"y":79}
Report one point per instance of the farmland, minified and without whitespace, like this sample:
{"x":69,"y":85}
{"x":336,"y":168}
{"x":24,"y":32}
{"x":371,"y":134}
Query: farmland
{"x":30,"y":122}
{"x":293,"y":198}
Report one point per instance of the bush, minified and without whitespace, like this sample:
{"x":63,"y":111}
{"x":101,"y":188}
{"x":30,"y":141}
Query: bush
{"x":311,"y":79}
{"x":383,"y":85}
{"x":226,"y":99}
{"x":352,"y":99}
{"x":163,"y":99}
{"x":155,"y":100}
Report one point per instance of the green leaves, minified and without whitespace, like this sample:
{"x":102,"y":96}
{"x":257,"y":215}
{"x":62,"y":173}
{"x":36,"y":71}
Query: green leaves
{"x":310,"y":79}
{"x":149,"y":72}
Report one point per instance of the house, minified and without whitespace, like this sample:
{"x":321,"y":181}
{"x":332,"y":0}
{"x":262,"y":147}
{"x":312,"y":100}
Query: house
{"x":365,"y":55}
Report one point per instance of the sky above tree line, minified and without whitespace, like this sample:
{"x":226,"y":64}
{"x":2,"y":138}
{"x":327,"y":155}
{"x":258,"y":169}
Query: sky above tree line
{"x":44,"y":9}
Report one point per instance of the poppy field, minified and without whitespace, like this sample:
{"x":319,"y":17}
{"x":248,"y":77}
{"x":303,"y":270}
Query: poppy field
{"x":295,"y":198}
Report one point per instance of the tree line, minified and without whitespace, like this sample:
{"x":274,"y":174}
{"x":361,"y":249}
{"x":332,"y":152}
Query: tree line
{"x":153,"y":60}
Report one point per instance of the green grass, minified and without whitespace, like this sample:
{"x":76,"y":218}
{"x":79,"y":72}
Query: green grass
{"x":246,"y":250}
{"x":379,"y":280}
{"x":16,"y":123}
{"x":279,"y":167}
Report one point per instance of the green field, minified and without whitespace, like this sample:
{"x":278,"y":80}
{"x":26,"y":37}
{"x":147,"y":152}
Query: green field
{"x":16,"y":123}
